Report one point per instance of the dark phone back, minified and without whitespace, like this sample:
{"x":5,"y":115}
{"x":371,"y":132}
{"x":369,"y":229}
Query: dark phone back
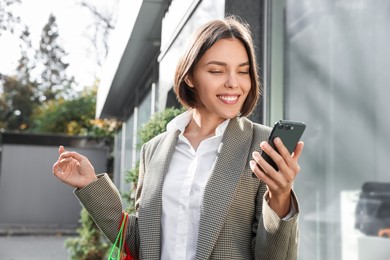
{"x":290,"y":132}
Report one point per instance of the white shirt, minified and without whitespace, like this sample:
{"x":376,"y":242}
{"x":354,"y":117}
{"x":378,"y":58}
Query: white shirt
{"x":182,"y":195}
{"x":183,"y":189}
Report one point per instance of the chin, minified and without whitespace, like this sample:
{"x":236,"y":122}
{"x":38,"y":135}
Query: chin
{"x":230,"y":116}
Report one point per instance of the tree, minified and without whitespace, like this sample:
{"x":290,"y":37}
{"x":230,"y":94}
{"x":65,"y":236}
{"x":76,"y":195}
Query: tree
{"x":7,"y":20}
{"x":18,"y":98}
{"x":25,"y":63}
{"x":53,"y":81}
{"x":16,"y":106}
{"x":24,"y":91}
{"x":100,"y":30}
{"x":73,"y":117}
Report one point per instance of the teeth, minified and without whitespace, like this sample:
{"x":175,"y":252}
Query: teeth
{"x":228,"y":98}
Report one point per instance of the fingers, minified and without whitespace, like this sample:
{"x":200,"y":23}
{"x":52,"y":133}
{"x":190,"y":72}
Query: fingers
{"x":66,"y":154}
{"x":56,"y":167}
{"x":287,"y":164}
{"x":269,"y":170}
{"x":57,"y":171}
{"x":73,"y":168}
{"x":62,"y":163}
{"x":298,"y":150}
{"x":60,"y":169}
{"x":283,"y":159}
{"x":65,"y":159}
{"x":61,"y":149}
{"x":267,"y":174}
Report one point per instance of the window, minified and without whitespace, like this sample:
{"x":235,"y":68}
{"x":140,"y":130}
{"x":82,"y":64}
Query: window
{"x":335,"y":78}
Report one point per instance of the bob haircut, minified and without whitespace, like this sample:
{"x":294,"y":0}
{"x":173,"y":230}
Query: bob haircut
{"x":204,"y":38}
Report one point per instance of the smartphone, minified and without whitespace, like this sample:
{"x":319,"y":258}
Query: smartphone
{"x":290,"y":132}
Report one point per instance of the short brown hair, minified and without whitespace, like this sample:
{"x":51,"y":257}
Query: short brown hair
{"x":204,"y":38}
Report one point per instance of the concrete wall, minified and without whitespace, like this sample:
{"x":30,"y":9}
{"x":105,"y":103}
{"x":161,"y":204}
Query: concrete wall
{"x":31,"y":198}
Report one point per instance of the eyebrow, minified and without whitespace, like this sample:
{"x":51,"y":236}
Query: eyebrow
{"x":224,"y":64}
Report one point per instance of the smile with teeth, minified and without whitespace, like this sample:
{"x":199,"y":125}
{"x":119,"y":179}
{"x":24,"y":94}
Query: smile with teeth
{"x":228,"y":99}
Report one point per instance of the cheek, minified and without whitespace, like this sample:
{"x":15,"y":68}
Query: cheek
{"x":208,"y":85}
{"x":246,"y":85}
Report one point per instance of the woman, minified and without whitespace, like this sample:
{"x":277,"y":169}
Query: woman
{"x":197,"y":197}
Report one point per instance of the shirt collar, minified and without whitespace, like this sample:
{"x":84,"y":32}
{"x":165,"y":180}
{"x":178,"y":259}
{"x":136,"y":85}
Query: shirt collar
{"x":181,"y":121}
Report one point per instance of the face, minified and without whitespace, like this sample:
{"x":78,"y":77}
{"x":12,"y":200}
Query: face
{"x":222,"y":80}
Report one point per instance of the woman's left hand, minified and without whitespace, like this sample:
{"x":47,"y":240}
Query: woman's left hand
{"x":279,"y":183}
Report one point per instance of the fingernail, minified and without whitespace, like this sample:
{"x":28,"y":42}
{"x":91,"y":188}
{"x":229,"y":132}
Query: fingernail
{"x":252,"y":164}
{"x":277,"y":140}
{"x":255,"y":155}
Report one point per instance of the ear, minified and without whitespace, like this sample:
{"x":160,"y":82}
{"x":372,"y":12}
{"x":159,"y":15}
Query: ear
{"x":188,"y":81}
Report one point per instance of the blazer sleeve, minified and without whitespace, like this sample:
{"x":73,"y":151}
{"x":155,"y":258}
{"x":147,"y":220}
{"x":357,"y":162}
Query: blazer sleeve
{"x":103,"y":202}
{"x":276,"y":238}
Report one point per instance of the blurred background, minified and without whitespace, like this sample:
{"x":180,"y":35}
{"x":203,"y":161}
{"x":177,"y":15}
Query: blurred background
{"x":92,"y":74}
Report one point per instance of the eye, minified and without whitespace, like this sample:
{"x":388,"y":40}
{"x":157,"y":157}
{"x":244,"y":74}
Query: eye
{"x":244,"y":70}
{"x":215,"y":71}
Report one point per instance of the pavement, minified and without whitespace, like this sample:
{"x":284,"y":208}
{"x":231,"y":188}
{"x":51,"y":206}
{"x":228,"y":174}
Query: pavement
{"x":33,"y":247}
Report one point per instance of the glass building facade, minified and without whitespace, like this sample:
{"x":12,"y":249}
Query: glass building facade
{"x":323,"y":62}
{"x":335,"y":78}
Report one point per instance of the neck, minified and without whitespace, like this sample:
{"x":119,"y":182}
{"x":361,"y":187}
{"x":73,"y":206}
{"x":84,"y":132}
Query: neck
{"x":201,"y":127}
{"x":204,"y":124}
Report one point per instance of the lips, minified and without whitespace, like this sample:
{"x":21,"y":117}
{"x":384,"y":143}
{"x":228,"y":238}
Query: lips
{"x":228,"y":99}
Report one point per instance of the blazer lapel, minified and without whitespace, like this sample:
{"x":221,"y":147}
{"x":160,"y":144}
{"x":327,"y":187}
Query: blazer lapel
{"x":151,"y":210}
{"x":220,"y":189}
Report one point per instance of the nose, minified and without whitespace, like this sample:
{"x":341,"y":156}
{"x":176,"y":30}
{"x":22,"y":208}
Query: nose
{"x":231,"y":81}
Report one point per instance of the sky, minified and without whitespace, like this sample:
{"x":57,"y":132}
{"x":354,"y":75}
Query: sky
{"x":73,"y":22}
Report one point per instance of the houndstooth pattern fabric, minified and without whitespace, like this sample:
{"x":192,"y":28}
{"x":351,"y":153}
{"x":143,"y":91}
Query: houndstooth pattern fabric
{"x":236,"y":221}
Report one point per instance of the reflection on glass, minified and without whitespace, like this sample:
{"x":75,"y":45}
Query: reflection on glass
{"x":372,"y":216}
{"x":336,"y":81}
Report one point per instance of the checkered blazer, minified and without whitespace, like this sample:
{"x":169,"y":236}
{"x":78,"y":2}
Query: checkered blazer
{"x":236,"y":221}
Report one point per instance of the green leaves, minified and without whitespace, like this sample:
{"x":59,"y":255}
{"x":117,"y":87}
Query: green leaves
{"x":89,"y":245}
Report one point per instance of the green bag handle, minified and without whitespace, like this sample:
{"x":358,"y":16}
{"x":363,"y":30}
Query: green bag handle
{"x":120,"y":238}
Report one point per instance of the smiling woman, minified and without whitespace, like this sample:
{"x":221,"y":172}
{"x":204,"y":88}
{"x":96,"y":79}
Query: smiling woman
{"x":241,"y":61}
{"x":196,"y":196}
{"x":220,"y":81}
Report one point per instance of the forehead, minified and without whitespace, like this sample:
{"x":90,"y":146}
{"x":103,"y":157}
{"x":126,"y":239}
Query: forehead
{"x":230,"y":50}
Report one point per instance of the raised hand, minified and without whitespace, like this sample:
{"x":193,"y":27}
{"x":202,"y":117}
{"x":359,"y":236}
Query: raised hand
{"x":279,"y":183}
{"x":73,"y":169}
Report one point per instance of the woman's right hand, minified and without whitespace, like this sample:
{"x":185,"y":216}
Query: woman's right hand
{"x":73,"y":169}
